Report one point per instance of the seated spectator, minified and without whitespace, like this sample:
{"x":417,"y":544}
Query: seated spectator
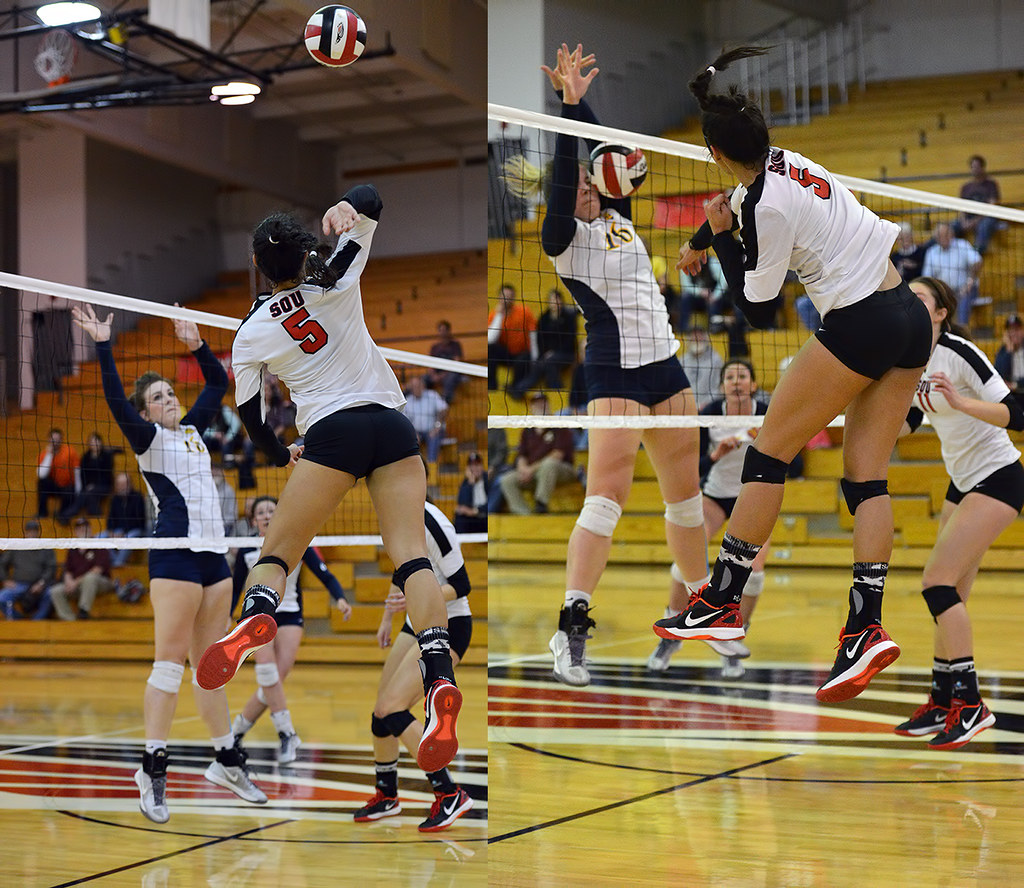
{"x":956,"y":262}
{"x":702,"y":365}
{"x":511,"y":338}
{"x":226,"y":436}
{"x":909,"y":256}
{"x":497,"y":465}
{"x":704,"y":292}
{"x":980,"y":188}
{"x":96,"y":470}
{"x":25,"y":574}
{"x":58,"y":474}
{"x":544,"y":460}
{"x":447,"y":346}
{"x":556,"y":346}
{"x":471,"y":505}
{"x":86,"y":573}
{"x":280,"y":409}
{"x":228,"y":499}
{"x":1009,"y":362}
{"x":127,"y":517}
{"x":426,"y":410}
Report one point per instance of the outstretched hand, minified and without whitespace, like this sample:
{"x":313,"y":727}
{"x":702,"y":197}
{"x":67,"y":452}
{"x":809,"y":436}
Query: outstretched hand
{"x":556,"y":81}
{"x":187,"y":332}
{"x":85,"y":317}
{"x":569,"y":71}
{"x":340,"y":218}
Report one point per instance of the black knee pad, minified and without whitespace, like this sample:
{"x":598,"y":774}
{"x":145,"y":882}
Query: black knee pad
{"x":273,"y":559}
{"x":397,"y":722}
{"x":379,"y":728}
{"x":855,"y":492}
{"x":940,"y":599}
{"x":408,"y":569}
{"x":758,"y":466}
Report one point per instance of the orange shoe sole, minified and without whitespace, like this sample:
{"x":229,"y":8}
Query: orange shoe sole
{"x":439,"y":744}
{"x":221,"y":660}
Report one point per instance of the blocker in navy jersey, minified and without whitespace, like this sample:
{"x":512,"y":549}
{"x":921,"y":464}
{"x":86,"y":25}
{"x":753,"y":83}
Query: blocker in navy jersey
{"x":289,"y":610}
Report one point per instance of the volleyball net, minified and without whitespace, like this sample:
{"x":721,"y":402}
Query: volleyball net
{"x":666,"y":210}
{"x":61,"y":402}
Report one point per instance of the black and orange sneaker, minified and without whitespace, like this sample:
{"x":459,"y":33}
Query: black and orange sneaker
{"x":218,"y":665}
{"x":964,"y":722}
{"x":439,"y":744}
{"x":377,"y":808}
{"x":860,"y":657}
{"x":702,"y":620}
{"x":928,"y":718}
{"x":446,"y":810}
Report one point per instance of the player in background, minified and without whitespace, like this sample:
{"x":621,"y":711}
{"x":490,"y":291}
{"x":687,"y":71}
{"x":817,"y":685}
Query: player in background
{"x":309,"y":332}
{"x":630,"y":368}
{"x":274,"y":661}
{"x":190,"y":589}
{"x":970,"y":407}
{"x":399,"y":686}
{"x":864,"y":360}
{"x":723,"y":452}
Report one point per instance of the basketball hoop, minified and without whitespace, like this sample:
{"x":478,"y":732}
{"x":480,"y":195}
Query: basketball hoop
{"x":56,"y":57}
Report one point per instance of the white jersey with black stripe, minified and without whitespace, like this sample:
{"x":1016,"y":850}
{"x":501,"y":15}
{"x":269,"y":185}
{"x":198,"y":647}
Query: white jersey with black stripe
{"x":797,"y":216}
{"x":444,"y":554}
{"x":316,"y":342}
{"x":971,"y":449}
{"x":608,"y":272}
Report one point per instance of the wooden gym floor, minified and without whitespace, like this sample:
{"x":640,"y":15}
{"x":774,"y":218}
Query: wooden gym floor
{"x":684,"y":778}
{"x":71,"y":738}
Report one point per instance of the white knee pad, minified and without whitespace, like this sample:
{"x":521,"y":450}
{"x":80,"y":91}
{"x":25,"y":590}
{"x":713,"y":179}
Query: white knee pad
{"x":267,"y":675}
{"x":688,"y":513}
{"x":166,"y":676}
{"x":599,"y":515}
{"x":755,"y":584}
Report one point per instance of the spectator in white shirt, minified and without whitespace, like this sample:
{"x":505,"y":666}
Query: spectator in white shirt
{"x":955,"y":261}
{"x":426,"y":410}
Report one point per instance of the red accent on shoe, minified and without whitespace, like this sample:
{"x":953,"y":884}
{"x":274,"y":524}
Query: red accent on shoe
{"x":439,"y":744}
{"x":221,"y":660}
{"x":886,"y":653}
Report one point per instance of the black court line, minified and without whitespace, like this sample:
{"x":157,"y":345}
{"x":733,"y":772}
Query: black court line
{"x":148,"y":861}
{"x":765,"y":779}
{"x":248,"y":837}
{"x":641,"y":798}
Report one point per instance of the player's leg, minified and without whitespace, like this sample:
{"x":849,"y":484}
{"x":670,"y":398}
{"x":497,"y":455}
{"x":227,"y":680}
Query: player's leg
{"x":286,"y":649}
{"x":873,"y":422}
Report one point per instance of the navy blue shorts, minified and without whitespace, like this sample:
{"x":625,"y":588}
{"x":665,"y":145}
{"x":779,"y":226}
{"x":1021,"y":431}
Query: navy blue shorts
{"x":204,"y":568}
{"x":1005,"y":484}
{"x":460,"y":631}
{"x":648,"y":385}
{"x":890,"y":328}
{"x":725,"y":503}
{"x":358,"y":440}
{"x":289,"y":618}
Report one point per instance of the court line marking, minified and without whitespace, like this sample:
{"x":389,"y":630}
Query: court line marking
{"x":641,"y":798}
{"x":64,"y":741}
{"x":170,"y":854}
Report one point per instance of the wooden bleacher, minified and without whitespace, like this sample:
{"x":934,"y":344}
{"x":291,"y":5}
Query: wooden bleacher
{"x":404,"y":298}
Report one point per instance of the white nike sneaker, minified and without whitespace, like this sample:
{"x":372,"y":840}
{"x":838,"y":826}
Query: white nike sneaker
{"x":732,"y":667}
{"x":658,"y":660}
{"x":152,"y":796}
{"x":289,"y":748}
{"x":569,"y":643}
{"x":735,"y":649}
{"x":237,"y":779}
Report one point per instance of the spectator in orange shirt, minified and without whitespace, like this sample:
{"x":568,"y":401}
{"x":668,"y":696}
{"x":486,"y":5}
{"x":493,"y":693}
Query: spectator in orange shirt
{"x":58,"y":473}
{"x":511,"y":337}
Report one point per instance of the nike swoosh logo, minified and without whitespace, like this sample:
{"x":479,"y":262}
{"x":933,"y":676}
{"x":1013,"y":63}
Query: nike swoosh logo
{"x":689,"y":621}
{"x":851,"y":652}
{"x":974,"y":717}
{"x":449,"y":811}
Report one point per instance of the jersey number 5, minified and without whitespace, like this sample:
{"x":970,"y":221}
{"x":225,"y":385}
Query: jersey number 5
{"x":808,"y":179}
{"x":304,"y":330}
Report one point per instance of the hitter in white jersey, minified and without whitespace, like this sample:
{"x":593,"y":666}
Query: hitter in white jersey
{"x":970,"y":407}
{"x":309,"y":332}
{"x":630,"y":370}
{"x":864,"y":360}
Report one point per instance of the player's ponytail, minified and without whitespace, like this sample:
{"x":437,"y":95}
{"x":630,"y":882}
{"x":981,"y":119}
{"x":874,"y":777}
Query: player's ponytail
{"x":731,"y":121}
{"x":945,"y":298}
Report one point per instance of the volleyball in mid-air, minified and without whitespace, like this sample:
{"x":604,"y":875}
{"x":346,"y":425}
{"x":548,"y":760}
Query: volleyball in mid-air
{"x":616,"y":170}
{"x":335,"y":36}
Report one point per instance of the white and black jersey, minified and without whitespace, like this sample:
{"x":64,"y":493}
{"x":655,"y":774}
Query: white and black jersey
{"x":605,"y":266}
{"x":446,"y":559}
{"x":291,"y":598}
{"x":971,"y":448}
{"x":797,"y":217}
{"x":723,"y":479}
{"x":316,"y":340}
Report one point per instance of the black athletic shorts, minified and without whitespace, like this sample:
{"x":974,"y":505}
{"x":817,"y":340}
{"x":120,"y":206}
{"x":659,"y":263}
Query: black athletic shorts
{"x":204,"y":568}
{"x":890,"y":328}
{"x":358,"y":440}
{"x":460,"y":631}
{"x":648,"y":385}
{"x":1005,"y":484}
{"x":725,"y":503}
